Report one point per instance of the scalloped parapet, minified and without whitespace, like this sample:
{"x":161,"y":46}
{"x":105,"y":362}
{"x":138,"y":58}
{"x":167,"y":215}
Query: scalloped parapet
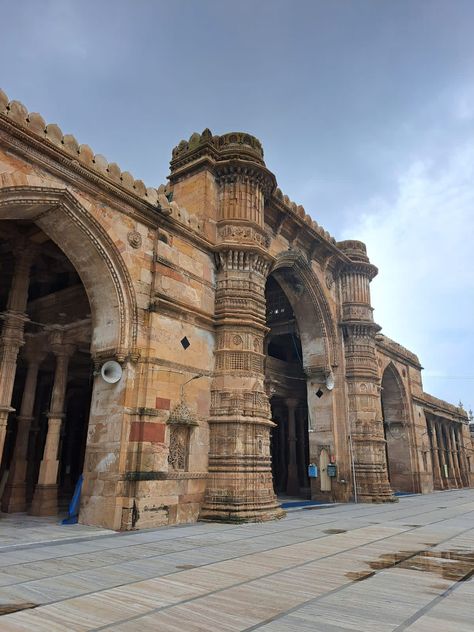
{"x":299,"y":211}
{"x":52,"y":134}
{"x":397,"y":348}
{"x":225,"y":147}
{"x":436,"y":403}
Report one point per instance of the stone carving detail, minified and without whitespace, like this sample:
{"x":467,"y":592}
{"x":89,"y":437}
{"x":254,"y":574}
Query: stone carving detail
{"x":329,"y":280}
{"x":134,"y":239}
{"x":241,"y":234}
{"x":227,"y":143}
{"x":179,"y":447}
{"x":243,"y":260}
{"x":362,"y":375}
{"x":356,"y":312}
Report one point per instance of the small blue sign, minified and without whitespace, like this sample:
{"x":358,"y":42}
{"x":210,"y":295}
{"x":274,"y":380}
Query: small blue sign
{"x":312,"y":470}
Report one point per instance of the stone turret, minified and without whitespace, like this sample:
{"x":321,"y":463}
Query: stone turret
{"x":226,"y":176}
{"x":365,"y":414}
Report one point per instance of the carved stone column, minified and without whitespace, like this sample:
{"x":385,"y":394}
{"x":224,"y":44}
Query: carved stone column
{"x":292,"y":485}
{"x":240,"y":483}
{"x":463,"y":467}
{"x":453,"y":453}
{"x":365,"y":412}
{"x":11,"y":338}
{"x":14,"y":499}
{"x":442,"y":456}
{"x":300,"y":447}
{"x":437,"y":476}
{"x":45,"y":499}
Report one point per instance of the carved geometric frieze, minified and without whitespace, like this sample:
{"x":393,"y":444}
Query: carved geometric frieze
{"x":357,"y":312}
{"x":243,"y":234}
{"x":242,"y":260}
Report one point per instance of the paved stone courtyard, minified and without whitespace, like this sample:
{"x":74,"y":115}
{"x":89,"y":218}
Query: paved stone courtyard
{"x":404,"y":566}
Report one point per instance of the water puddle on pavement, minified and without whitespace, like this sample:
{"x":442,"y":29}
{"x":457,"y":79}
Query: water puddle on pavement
{"x":358,"y":576}
{"x":186,"y":567}
{"x":455,"y":565}
{"x":8,"y":608}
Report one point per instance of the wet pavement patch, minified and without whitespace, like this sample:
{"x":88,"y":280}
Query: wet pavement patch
{"x":387,"y":560}
{"x":186,"y":567}
{"x":358,"y":576}
{"x":454,"y":565}
{"x":8,"y":608}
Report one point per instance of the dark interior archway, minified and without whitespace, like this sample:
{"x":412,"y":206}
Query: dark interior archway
{"x":284,"y":371}
{"x":55,"y":349}
{"x":396,"y":430}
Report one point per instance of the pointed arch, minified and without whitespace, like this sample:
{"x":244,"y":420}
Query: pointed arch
{"x":310,"y":305}
{"x":399,"y":448}
{"x":394,"y":396}
{"x":94,"y":255}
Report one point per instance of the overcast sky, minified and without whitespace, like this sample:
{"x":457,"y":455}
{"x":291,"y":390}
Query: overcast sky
{"x":365,"y":109}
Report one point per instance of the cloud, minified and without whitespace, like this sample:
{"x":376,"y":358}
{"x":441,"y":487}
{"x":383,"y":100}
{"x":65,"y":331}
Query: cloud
{"x":422,"y":243}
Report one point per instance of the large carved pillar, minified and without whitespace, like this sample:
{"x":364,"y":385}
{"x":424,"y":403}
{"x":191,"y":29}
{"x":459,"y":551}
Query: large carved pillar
{"x":365,"y":413}
{"x":11,"y":338}
{"x":240,"y":483}
{"x":45,"y":499}
{"x":14,"y":499}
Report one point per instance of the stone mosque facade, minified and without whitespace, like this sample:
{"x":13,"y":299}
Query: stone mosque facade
{"x":198,"y":351}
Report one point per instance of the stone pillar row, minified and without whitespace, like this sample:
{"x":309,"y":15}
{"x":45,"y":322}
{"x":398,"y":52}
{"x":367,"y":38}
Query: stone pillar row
{"x":45,"y":495}
{"x":449,"y":453}
{"x":12,"y":339}
{"x":14,"y":499}
{"x":45,"y":498}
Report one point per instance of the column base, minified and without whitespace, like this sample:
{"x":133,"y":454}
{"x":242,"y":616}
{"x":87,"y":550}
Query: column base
{"x":14,"y":498}
{"x":293,"y":484}
{"x":45,"y":501}
{"x":374,"y":498}
{"x":239,"y":513}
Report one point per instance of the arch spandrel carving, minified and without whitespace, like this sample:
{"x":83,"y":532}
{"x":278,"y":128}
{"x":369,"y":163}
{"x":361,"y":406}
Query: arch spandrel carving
{"x":94,"y":255}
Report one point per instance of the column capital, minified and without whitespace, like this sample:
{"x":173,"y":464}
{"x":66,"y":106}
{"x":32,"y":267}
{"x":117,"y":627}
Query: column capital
{"x":59,"y":346}
{"x":291,"y":402}
{"x":65,"y":350}
{"x":34,"y":351}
